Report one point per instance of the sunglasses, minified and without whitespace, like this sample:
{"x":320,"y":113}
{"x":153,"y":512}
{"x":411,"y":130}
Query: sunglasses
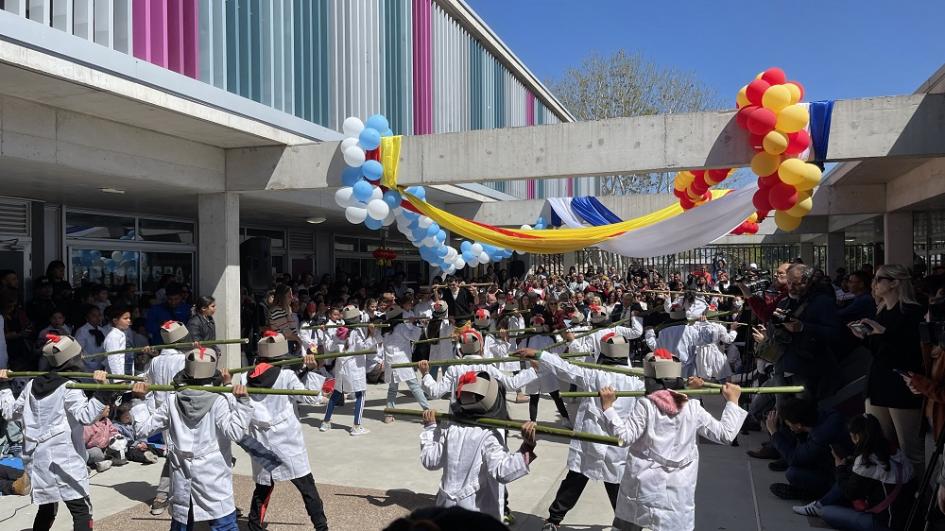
{"x":887,"y":279}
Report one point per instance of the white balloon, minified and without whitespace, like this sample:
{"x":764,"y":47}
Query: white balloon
{"x":377,"y":209}
{"x":424,"y":222}
{"x":355,"y":214}
{"x":451,"y":253}
{"x":344,"y":197}
{"x":474,"y":262}
{"x":348,"y":142}
{"x":450,"y":270}
{"x":389,"y":220}
{"x":484,"y":257}
{"x":476,"y":249}
{"x":376,"y":193}
{"x":459,"y":262}
{"x":352,"y":126}
{"x":526,"y":227}
{"x":430,"y":241}
{"x":354,"y":156}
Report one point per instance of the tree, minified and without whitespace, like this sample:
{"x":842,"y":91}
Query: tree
{"x":630,"y":85}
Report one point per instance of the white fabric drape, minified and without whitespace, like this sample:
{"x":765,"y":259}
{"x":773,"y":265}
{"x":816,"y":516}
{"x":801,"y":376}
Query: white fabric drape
{"x":693,"y":228}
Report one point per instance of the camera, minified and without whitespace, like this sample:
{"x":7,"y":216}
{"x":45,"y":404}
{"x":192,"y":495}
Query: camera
{"x":755,"y":280}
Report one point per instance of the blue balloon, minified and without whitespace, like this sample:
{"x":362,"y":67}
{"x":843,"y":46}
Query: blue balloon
{"x":95,"y":255}
{"x":467,"y":256}
{"x":387,"y":133}
{"x":465,"y":246}
{"x":372,"y":170}
{"x":411,"y":215}
{"x":418,"y":234}
{"x":350,"y":175}
{"x":418,"y":191}
{"x":129,"y":255}
{"x":442,"y":251}
{"x":370,"y":138}
{"x":377,"y":122}
{"x":363,"y":190}
{"x":414,"y":223}
{"x":440,"y":236}
{"x":392,"y":198}
{"x":433,"y":229}
{"x":541,"y":220}
{"x":372,"y":223}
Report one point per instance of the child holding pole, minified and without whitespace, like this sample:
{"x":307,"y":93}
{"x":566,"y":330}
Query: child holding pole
{"x":398,"y":342}
{"x":351,"y":371}
{"x":440,"y":327}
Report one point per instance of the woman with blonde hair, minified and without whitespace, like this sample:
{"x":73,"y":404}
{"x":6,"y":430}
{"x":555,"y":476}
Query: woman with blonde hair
{"x":893,"y":339}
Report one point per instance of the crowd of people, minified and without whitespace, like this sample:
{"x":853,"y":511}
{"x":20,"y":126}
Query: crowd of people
{"x":865,"y":347}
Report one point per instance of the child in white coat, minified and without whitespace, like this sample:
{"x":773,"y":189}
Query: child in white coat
{"x":117,"y":339}
{"x":659,"y":484}
{"x":198,"y":426}
{"x":351,"y":371}
{"x":275,"y":424}
{"x":52,"y":417}
{"x":547,"y":382}
{"x":398,"y":340}
{"x":440,"y":327}
{"x":475,"y":461}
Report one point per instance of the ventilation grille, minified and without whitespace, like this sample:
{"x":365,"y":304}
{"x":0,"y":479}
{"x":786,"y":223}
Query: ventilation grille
{"x":14,"y":218}
{"x":301,"y":241}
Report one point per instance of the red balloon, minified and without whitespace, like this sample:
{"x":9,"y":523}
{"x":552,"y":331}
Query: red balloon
{"x":374,"y":154}
{"x":685,"y":203}
{"x":707,"y":196}
{"x":798,"y":83}
{"x":752,"y":228}
{"x":679,"y":193}
{"x":699,"y":187}
{"x":741,"y":117}
{"x":762,"y":121}
{"x":782,"y":196}
{"x":768,"y":181}
{"x":756,"y":89}
{"x":760,"y":200}
{"x":699,"y":174}
{"x":737,"y":231}
{"x":797,"y":142}
{"x":700,"y":179}
{"x":718,"y":175}
{"x":756,"y":141}
{"x":774,"y":76}
{"x":762,"y":215}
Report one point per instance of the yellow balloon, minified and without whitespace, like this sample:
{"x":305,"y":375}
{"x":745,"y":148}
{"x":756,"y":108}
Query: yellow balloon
{"x":742,"y":99}
{"x":775,"y":142}
{"x":692,"y":196}
{"x":792,"y":171}
{"x":776,"y":98}
{"x":792,"y":118}
{"x":811,"y":177}
{"x":786,"y":222}
{"x":804,"y":205}
{"x":764,"y":164}
{"x":794,"y":90}
{"x":753,"y":218}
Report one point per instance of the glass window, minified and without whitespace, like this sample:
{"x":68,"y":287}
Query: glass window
{"x":157,"y":264}
{"x":159,"y":230}
{"x":98,"y":226}
{"x":343,"y":244}
{"x":277,"y":236}
{"x":102,"y":266}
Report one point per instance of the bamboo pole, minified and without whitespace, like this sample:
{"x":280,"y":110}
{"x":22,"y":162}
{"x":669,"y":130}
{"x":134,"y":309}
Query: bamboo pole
{"x":459,"y":361}
{"x":355,"y":325}
{"x":208,"y":388}
{"x":36,"y":374}
{"x":693,"y":392}
{"x":703,"y":293}
{"x":472,"y":285}
{"x":584,"y":334}
{"x":620,"y":369}
{"x":186,"y":344}
{"x":513,"y":424}
{"x":300,"y":360}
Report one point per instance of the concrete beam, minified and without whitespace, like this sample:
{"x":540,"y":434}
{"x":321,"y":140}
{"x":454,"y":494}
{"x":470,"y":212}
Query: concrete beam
{"x":924,"y":183}
{"x":898,"y":126}
{"x":852,"y":199}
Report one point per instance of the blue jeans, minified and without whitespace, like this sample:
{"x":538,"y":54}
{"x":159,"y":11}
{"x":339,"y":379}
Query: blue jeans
{"x":839,"y":515}
{"x":337,"y":396}
{"x":414,"y":386}
{"x":226,"y":523}
{"x":816,"y":482}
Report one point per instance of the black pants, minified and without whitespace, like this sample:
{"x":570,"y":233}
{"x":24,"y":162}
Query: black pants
{"x":310,"y":497}
{"x":570,"y":491}
{"x":81,"y":510}
{"x":533,"y":405}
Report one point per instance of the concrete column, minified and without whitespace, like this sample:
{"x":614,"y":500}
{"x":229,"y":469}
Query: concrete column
{"x":218,"y":257}
{"x":836,"y":257}
{"x":898,"y":238}
{"x":807,"y":252}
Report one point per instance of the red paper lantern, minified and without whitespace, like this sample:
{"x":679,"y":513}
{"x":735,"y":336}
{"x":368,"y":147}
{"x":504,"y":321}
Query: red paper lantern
{"x":762,"y":121}
{"x":760,"y":200}
{"x":756,"y":89}
{"x":774,"y":76}
{"x":797,"y":142}
{"x":782,"y":196}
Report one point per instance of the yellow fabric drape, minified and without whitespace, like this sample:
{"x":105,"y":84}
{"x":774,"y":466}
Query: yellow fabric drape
{"x":546,"y":241}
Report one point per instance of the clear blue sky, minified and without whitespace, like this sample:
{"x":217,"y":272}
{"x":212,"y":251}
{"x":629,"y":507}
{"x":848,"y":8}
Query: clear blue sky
{"x":836,"y":48}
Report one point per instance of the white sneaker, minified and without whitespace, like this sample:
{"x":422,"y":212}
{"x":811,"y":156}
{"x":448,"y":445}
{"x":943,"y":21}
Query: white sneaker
{"x":102,"y":466}
{"x":149,"y":457}
{"x":320,"y":401}
{"x":813,"y":508}
{"x":359,"y":430}
{"x":325,"y":426}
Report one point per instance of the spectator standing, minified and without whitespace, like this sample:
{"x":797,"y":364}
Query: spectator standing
{"x":18,"y":332}
{"x":280,"y":317}
{"x":201,"y":325}
{"x":862,"y":305}
{"x":172,"y":309}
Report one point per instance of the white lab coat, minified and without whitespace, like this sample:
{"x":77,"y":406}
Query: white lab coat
{"x":633,"y":331}
{"x":499,"y":348}
{"x":444,"y":349}
{"x":709,"y":361}
{"x":583,"y":344}
{"x":475,"y":464}
{"x":693,"y":311}
{"x":54,"y":453}
{"x":84,"y":336}
{"x":659,"y":484}
{"x":600,"y":462}
{"x":116,"y":340}
{"x":398,"y":348}
{"x":199,"y":454}
{"x":161,"y":371}
{"x":547,"y":381}
{"x":423,"y":309}
{"x":350,"y":371}
{"x":275,"y":424}
{"x":449,"y":377}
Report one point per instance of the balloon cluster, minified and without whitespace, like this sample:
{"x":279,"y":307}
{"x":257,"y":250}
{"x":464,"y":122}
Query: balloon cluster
{"x":769,"y":109}
{"x":366,"y":201}
{"x":692,"y":187}
{"x":749,"y":226}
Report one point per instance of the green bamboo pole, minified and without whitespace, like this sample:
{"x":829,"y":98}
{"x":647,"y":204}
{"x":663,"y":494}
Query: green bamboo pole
{"x":513,"y":424}
{"x":686,"y":321}
{"x":694,"y":392}
{"x":355,"y":325}
{"x":300,"y":360}
{"x":459,"y":361}
{"x":183,"y":344}
{"x":208,"y":388}
{"x":36,"y":374}
{"x":585,"y":334}
{"x":513,"y":333}
{"x":568,"y":355}
{"x":431,"y":340}
{"x":631,"y":371}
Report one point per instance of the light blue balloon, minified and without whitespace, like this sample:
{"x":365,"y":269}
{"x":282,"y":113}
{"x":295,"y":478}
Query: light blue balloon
{"x":363,"y":190}
{"x":392,"y":198}
{"x":372,"y":223}
{"x":418,"y":191}
{"x":541,"y":220}
{"x":377,"y":122}
{"x":372,"y":170}
{"x":387,"y":133}
{"x":418,"y":234}
{"x":411,"y":215}
{"x":95,"y":255}
{"x":433,"y":229}
{"x":465,"y":246}
{"x":467,"y":256}
{"x":440,"y":236}
{"x":442,"y":251}
{"x":370,"y":138}
{"x":129,"y":256}
{"x":350,"y":175}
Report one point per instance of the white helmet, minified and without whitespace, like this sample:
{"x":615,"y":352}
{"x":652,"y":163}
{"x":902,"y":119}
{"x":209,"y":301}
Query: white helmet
{"x":482,"y":318}
{"x":174,"y":332}
{"x":351,"y":314}
{"x":200,"y":363}
{"x":479,"y":395}
{"x":440,"y":310}
{"x":60,"y":349}
{"x":614,"y":345}
{"x":272,"y":345}
{"x":598,"y":315}
{"x":662,"y":365}
{"x":470,"y":342}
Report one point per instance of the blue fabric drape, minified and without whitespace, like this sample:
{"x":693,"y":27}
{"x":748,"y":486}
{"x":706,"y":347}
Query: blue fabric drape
{"x":555,"y":219}
{"x":593,"y":212}
{"x":820,"y":112}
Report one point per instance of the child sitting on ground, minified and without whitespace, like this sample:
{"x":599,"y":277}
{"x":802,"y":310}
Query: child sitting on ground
{"x":138,"y":450}
{"x":97,"y":437}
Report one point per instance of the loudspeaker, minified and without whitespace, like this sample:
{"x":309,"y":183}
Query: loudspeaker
{"x":256,"y":263}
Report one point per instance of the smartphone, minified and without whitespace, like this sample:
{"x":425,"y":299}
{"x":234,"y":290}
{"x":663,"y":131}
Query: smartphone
{"x":861,"y":328}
